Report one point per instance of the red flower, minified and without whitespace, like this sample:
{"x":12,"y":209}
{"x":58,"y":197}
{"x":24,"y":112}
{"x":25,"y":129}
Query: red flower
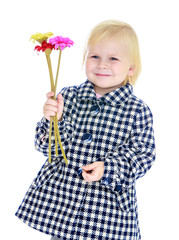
{"x":44,"y":46}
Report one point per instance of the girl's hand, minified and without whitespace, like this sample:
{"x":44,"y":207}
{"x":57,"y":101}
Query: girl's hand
{"x":53,"y":107}
{"x":93,"y":172}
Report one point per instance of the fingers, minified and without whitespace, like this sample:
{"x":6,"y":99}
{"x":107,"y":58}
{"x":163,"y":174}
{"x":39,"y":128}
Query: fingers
{"x":93,"y":172}
{"x":53,"y":107}
{"x":49,"y":110}
{"x":49,"y":94}
{"x":89,"y":177}
{"x":88,"y":167}
{"x":60,"y":101}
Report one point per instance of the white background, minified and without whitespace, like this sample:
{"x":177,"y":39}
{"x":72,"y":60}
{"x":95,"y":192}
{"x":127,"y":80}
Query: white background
{"x":25,"y":81}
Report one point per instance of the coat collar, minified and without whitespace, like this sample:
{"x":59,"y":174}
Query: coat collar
{"x":86,"y":92}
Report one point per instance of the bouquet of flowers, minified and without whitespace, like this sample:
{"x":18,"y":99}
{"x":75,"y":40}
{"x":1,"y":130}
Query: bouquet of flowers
{"x":54,"y":43}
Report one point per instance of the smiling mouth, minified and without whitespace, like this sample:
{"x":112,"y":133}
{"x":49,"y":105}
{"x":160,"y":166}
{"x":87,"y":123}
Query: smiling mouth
{"x":102,"y":75}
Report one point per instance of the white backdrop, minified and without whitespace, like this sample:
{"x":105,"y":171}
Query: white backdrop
{"x":25,"y":81}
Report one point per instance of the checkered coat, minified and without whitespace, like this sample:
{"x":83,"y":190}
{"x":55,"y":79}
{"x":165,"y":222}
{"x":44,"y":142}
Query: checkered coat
{"x":116,"y":129}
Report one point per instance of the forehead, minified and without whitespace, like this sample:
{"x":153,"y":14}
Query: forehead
{"x":109,"y":46}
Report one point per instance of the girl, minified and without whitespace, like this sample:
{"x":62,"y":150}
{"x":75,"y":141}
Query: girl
{"x":107,"y":134}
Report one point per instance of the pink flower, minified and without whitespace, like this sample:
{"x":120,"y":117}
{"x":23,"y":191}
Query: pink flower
{"x":61,"y":42}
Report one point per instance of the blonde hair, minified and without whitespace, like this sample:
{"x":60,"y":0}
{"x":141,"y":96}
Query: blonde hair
{"x":114,"y":29}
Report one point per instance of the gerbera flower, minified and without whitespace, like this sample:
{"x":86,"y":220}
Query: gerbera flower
{"x":61,"y":42}
{"x":44,"y":46}
{"x":40,"y":37}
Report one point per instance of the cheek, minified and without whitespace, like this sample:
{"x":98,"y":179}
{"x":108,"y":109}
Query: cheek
{"x":116,"y":70}
{"x":121,"y":70}
{"x":88,"y":67}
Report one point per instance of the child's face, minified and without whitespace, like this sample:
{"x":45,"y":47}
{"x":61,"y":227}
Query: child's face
{"x":107,"y":65}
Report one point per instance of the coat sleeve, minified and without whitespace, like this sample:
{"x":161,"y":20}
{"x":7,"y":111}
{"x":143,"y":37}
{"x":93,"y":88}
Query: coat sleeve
{"x":65,"y":128}
{"x":132,"y":160}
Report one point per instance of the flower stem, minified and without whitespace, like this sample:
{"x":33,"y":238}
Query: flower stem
{"x":47,"y":54}
{"x":58,"y":67}
{"x":55,"y":131}
{"x":54,"y":119}
{"x":50,"y":133}
{"x":59,"y":140}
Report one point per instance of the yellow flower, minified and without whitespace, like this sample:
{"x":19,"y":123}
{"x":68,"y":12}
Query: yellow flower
{"x":40,"y":37}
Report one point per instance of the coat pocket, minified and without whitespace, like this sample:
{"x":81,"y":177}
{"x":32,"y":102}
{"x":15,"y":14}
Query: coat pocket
{"x":46,"y":172}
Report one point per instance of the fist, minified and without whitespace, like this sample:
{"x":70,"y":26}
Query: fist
{"x":93,"y":172}
{"x":53,"y":107}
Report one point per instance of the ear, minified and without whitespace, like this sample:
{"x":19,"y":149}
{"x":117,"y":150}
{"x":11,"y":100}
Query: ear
{"x":131,"y":70}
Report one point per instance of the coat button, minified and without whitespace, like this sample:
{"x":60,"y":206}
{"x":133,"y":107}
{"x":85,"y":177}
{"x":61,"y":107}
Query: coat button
{"x":87,"y":138}
{"x":118,"y":188}
{"x":80,"y":170}
{"x":95,"y":109}
{"x":107,"y":181}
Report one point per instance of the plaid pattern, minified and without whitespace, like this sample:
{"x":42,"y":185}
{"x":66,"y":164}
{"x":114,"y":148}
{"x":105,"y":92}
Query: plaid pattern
{"x":116,"y":129}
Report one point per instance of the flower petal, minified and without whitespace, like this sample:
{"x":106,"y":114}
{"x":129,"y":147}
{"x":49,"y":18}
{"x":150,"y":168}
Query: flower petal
{"x":61,"y":42}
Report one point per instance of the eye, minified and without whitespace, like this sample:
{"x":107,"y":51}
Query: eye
{"x":113,"y":59}
{"x":95,"y":57}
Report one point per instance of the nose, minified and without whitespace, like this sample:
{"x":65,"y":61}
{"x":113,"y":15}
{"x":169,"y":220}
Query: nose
{"x":102,"y":64}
